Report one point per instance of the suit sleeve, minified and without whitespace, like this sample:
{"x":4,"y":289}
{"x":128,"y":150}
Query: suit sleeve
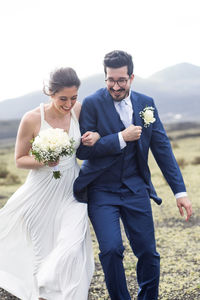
{"x":162,"y":151}
{"x":106,"y":145}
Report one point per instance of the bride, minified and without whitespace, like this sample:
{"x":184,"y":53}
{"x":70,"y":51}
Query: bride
{"x":45,"y":244}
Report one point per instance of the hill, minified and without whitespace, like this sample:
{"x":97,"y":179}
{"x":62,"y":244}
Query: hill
{"x":176,"y":91}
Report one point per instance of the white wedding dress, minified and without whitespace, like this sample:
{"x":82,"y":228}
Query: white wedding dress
{"x":45,"y":244}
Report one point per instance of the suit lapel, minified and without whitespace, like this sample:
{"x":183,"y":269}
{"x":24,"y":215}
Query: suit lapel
{"x":138,"y":120}
{"x":112,"y":116}
{"x":136,"y":109}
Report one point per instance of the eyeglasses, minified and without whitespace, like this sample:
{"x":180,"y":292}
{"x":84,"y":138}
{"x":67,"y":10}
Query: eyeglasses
{"x":121,"y":82}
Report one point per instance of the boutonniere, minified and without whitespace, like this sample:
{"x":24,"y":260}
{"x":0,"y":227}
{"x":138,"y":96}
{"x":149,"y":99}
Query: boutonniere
{"x":147,"y":114}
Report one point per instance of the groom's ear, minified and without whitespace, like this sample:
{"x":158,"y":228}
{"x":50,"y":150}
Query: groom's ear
{"x":132,"y":77}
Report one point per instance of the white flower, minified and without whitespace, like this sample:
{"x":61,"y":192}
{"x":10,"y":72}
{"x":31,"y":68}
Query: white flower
{"x":147,"y":114}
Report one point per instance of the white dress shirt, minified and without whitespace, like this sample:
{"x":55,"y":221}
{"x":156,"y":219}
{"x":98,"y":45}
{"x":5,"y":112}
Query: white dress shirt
{"x":129,"y":116}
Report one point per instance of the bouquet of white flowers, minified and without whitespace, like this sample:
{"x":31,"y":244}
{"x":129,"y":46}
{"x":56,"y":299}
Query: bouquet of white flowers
{"x":51,"y":144}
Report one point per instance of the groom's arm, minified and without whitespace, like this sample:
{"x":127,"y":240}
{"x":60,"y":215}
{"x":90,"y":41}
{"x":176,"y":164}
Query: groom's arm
{"x":106,"y":145}
{"x":162,"y":151}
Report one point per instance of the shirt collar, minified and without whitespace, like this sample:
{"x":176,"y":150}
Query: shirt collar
{"x":127,"y":100}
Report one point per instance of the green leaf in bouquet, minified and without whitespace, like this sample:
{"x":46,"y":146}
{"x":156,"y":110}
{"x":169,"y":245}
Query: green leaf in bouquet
{"x":56,"y":174}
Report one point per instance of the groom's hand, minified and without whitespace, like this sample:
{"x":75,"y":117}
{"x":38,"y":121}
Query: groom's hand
{"x":184,"y":202}
{"x":131,"y":133}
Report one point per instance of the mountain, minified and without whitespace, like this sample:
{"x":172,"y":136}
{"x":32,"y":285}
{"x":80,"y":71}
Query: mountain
{"x":185,"y":70}
{"x":176,"y":91}
{"x":15,"y":108}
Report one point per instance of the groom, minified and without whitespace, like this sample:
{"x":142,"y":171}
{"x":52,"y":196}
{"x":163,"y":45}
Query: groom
{"x":115,"y":178}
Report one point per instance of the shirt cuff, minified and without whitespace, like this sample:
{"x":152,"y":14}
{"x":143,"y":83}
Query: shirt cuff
{"x":122,"y":143}
{"x":179,"y":195}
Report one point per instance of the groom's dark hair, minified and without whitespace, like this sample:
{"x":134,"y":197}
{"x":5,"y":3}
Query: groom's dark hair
{"x":118,"y":59}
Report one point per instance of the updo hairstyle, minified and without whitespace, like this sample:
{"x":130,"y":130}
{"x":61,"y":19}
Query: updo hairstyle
{"x":59,"y":79}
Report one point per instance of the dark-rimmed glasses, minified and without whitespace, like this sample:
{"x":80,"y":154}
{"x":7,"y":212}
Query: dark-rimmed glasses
{"x":121,"y":82}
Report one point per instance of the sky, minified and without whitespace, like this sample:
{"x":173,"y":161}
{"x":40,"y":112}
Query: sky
{"x":38,"y":36}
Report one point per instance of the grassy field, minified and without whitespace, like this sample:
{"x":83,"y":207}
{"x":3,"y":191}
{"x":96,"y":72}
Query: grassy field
{"x":178,"y":242}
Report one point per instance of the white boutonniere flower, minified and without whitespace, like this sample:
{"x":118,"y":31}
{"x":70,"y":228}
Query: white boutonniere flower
{"x":147,"y":114}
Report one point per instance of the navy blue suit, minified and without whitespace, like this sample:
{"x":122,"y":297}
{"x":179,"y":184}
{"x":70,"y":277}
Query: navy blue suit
{"x":116,"y":183}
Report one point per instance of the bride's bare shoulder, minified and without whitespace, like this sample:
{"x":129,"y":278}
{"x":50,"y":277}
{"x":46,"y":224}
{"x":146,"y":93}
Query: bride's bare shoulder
{"x":32,"y":117}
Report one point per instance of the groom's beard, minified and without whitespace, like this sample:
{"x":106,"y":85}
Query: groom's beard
{"x":119,"y":94}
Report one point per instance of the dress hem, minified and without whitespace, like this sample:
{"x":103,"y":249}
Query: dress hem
{"x":17,"y":288}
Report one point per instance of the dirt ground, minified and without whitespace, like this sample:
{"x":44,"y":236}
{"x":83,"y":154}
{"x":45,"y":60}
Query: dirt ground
{"x":178,"y":242}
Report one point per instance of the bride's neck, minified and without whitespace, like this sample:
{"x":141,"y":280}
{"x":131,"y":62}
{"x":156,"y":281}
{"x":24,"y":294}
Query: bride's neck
{"x":55,"y":113}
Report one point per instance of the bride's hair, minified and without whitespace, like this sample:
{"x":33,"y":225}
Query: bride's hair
{"x":59,"y":79}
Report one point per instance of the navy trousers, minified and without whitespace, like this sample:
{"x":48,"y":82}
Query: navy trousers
{"x":134,"y":209}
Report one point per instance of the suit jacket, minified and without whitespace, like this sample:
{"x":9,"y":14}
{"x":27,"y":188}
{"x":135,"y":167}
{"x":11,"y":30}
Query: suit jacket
{"x":99,"y":114}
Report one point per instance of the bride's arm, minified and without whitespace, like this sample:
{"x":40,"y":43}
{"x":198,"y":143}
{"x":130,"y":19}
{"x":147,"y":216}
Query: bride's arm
{"x":89,"y":138}
{"x":27,"y":130}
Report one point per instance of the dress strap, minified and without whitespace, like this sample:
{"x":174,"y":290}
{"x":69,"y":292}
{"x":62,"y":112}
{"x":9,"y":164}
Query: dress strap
{"x":42,"y":113}
{"x":74,"y":116}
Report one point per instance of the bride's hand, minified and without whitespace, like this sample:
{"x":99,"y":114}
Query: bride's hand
{"x":89,"y":138}
{"x":53,"y":163}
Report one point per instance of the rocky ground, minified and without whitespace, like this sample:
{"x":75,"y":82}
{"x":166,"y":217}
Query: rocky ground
{"x":178,"y":242}
{"x":180,"y":268}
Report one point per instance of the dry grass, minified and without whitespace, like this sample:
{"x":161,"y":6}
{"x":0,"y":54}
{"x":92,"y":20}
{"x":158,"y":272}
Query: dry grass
{"x":178,"y":242}
{"x":196,"y":161}
{"x":3,"y":170}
